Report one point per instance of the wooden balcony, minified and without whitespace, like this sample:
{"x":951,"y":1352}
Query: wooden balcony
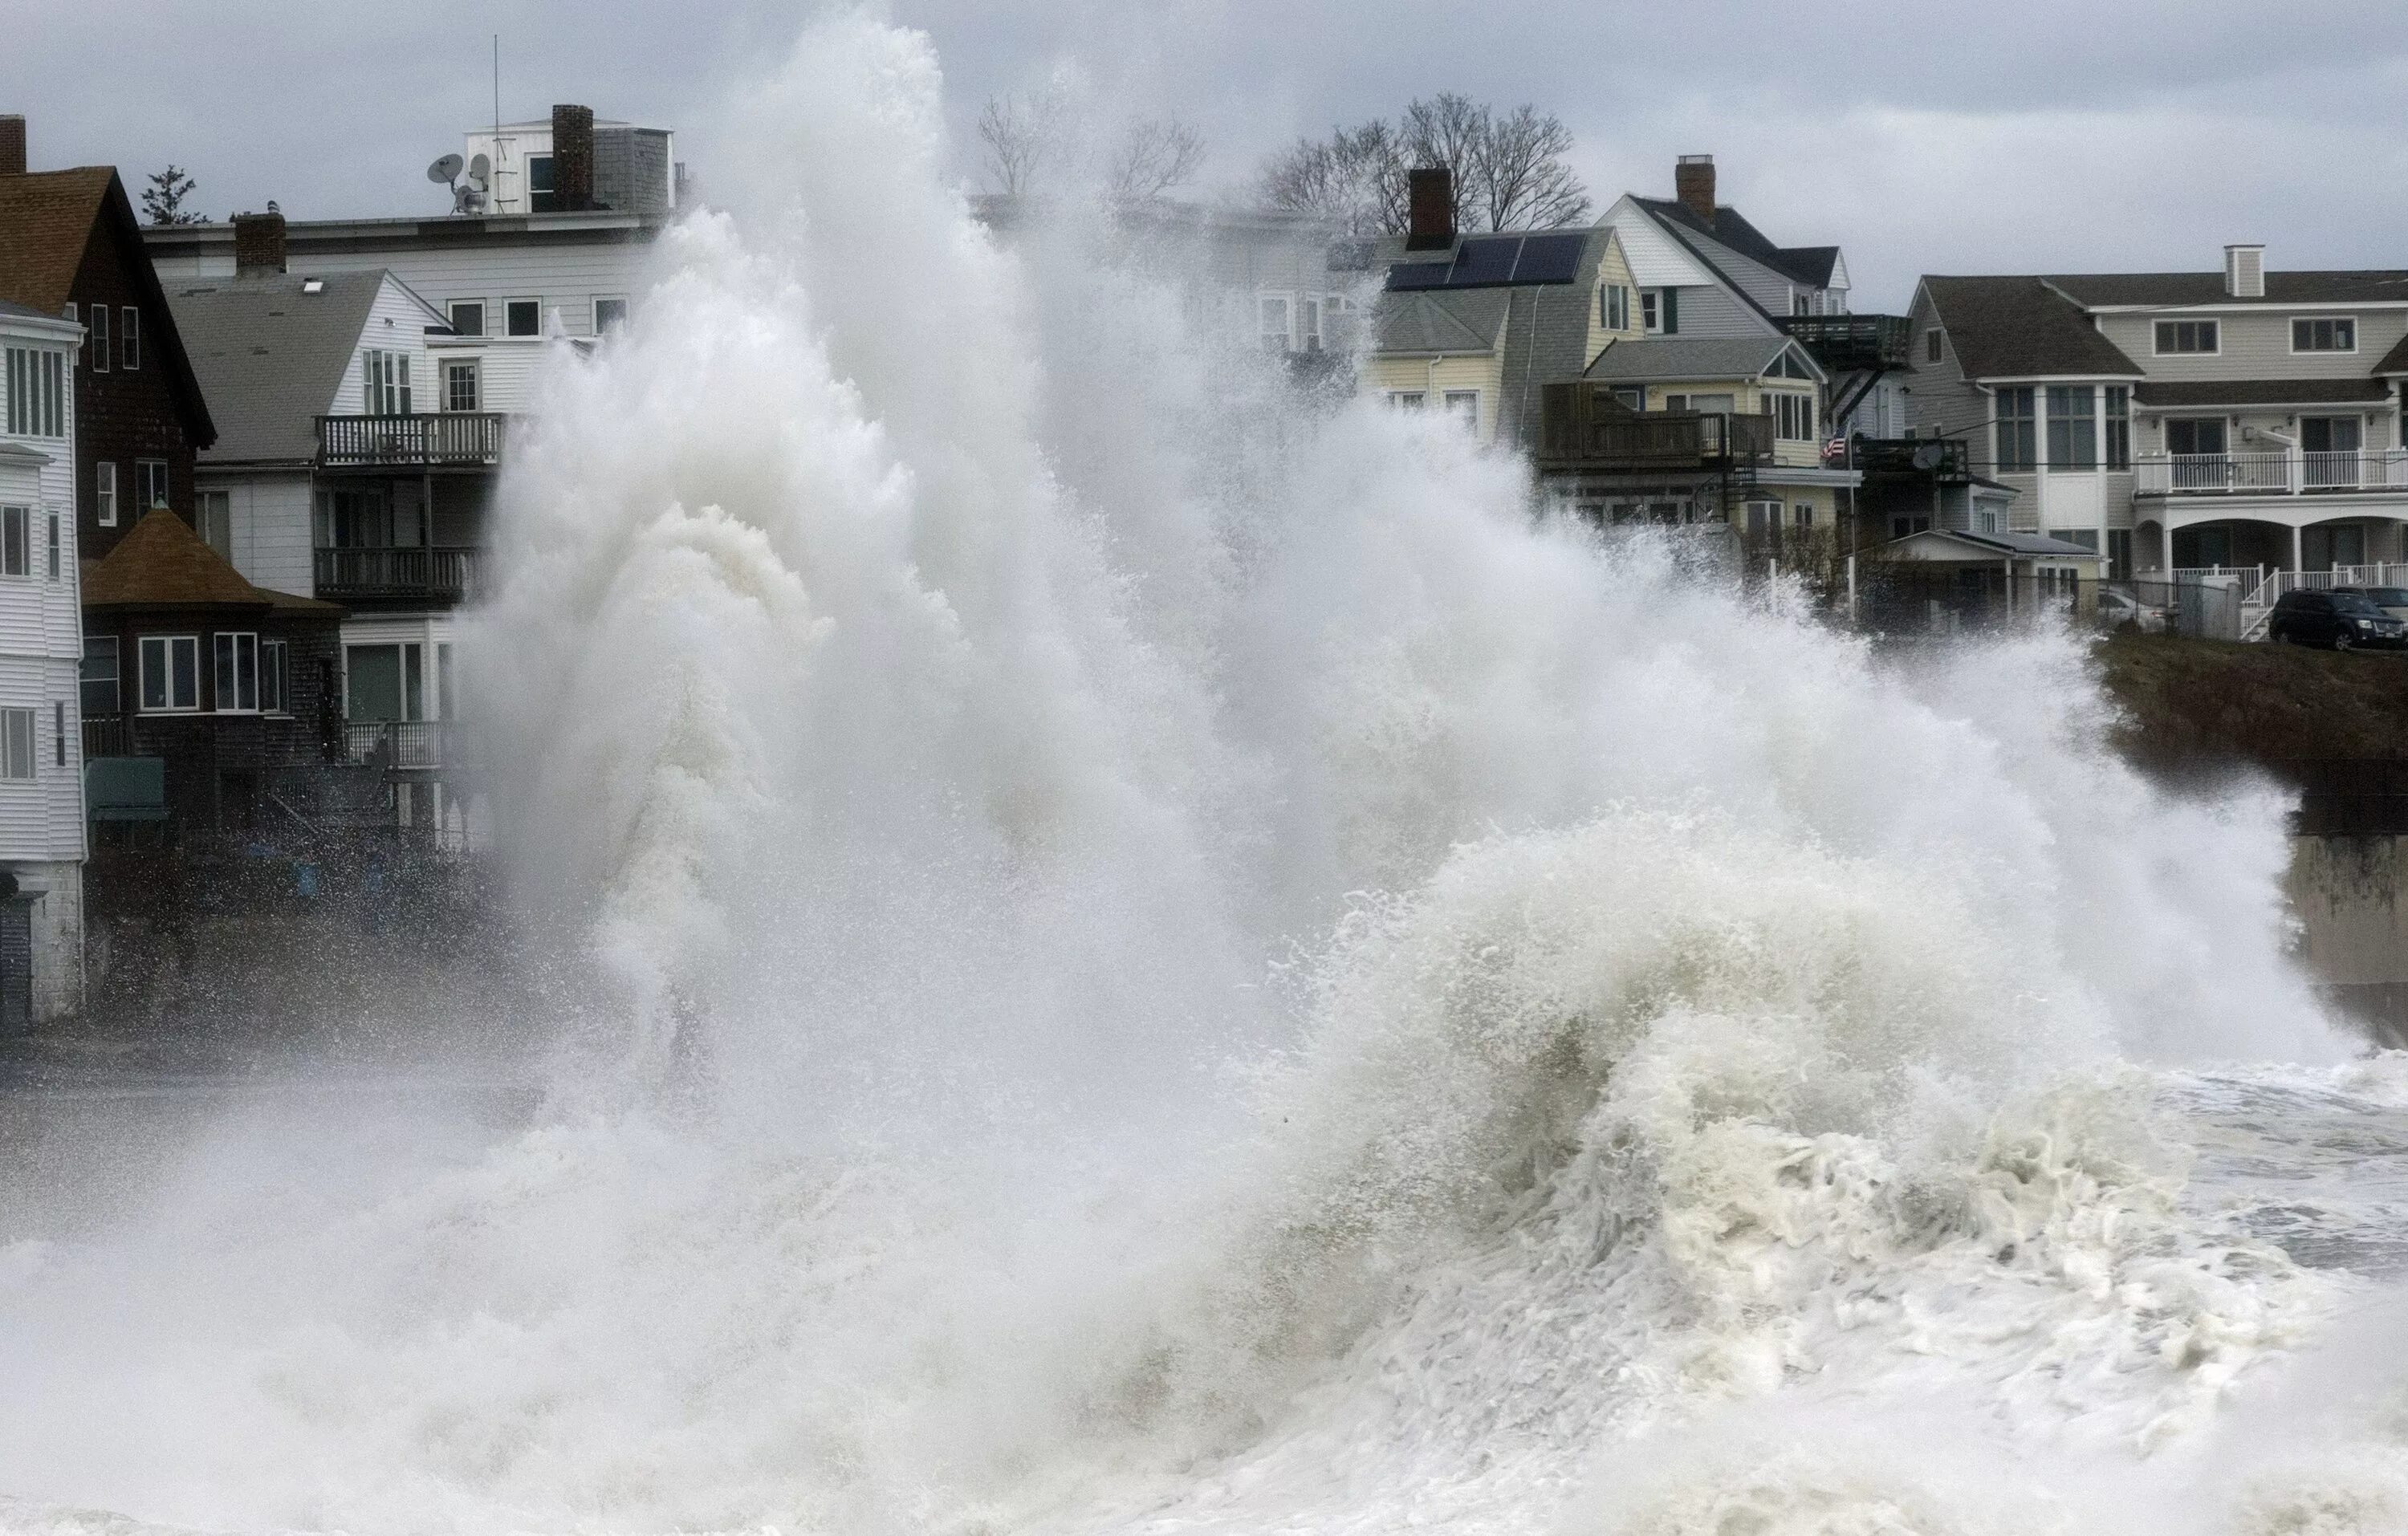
{"x":1851,"y":343}
{"x":440,"y":441}
{"x":1582,"y":425}
{"x":443,"y":574}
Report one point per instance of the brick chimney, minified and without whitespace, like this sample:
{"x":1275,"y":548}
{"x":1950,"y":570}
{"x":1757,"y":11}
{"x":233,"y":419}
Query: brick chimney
{"x":572,"y":157}
{"x":1693,"y":183}
{"x":1430,"y":208}
{"x":258,"y":242}
{"x":12,"y":145}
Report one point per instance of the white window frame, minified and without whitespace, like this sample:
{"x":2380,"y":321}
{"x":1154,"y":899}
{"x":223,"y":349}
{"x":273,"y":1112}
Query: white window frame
{"x":384,"y":382}
{"x":104,"y":490}
{"x":228,"y":650}
{"x":1934,"y":348}
{"x":53,"y":561}
{"x":2157,"y":336}
{"x":97,"y":329}
{"x":1308,"y":324}
{"x":166,"y":483}
{"x":17,"y":542}
{"x":37,"y":393}
{"x":601,"y":299}
{"x":536,"y":335}
{"x":1651,"y":310}
{"x":1463,"y":403}
{"x":2311,"y":321}
{"x":17,"y":744}
{"x":1616,"y":300}
{"x":208,"y":508}
{"x":467,"y":366}
{"x":452,"y":315}
{"x":1408,"y":399}
{"x":1282,"y":337}
{"x":274,"y":678}
{"x":168,"y":646}
{"x":58,"y":733}
{"x":129,"y":338}
{"x":1791,"y":408}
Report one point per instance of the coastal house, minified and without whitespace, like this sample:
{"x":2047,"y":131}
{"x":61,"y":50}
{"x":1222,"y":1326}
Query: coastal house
{"x":69,"y":247}
{"x":2182,"y":422}
{"x":41,"y":760}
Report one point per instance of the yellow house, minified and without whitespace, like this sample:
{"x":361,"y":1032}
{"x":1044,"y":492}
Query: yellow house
{"x":1474,"y":327}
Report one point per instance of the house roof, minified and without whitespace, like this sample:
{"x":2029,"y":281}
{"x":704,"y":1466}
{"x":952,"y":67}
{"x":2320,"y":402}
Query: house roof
{"x":2021,"y":328}
{"x":9,"y":307}
{"x":270,"y":355}
{"x":162,"y":563}
{"x":2179,"y":289}
{"x":2395,"y":360}
{"x":1810,"y":265}
{"x":46,"y":223}
{"x":1665,"y":359}
{"x":2261,"y":392}
{"x":1464,"y":321}
{"x":2026,"y":544}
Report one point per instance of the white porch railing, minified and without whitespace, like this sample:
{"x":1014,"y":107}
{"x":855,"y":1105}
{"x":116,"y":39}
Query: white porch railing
{"x":2270,"y":474}
{"x":2261,"y":587}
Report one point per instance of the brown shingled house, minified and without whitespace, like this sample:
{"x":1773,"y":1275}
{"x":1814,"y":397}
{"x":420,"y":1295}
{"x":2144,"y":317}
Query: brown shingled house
{"x":69,"y":245}
{"x":186,"y":662}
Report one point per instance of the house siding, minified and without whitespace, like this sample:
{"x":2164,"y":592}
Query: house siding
{"x":122,"y":415}
{"x":2258,"y":344}
{"x":271,"y":526}
{"x":1435,"y":375}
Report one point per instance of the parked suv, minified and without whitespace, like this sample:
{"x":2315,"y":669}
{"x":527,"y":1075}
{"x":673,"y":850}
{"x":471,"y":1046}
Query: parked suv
{"x":2342,"y":620}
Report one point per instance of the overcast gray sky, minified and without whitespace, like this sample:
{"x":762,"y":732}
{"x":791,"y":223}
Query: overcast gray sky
{"x":2052,"y":134}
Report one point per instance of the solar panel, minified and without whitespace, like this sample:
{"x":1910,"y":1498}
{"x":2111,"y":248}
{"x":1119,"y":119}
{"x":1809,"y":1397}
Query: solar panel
{"x":1549,"y":258}
{"x":1406,"y":276}
{"x":1481,"y":264}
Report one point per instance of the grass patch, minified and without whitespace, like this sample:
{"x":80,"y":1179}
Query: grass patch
{"x":2204,"y":708}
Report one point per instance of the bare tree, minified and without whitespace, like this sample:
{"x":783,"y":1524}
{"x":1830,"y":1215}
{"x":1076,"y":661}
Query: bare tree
{"x":1022,"y":136}
{"x":1508,"y":172}
{"x":1518,"y":171}
{"x":1355,"y":179}
{"x":1153,"y":158}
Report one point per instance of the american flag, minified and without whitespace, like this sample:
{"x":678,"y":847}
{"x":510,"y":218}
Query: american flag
{"x":1836,"y":449}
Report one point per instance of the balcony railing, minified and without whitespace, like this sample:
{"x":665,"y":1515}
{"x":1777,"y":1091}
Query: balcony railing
{"x":398,"y":573}
{"x":1582,"y":424}
{"x":404,"y":744}
{"x":2271,"y":474}
{"x":1851,"y":343}
{"x":433,"y":440}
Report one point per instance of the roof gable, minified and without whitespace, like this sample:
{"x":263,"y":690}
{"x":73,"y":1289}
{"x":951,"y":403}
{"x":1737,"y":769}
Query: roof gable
{"x":162,"y":563}
{"x":1656,"y":258}
{"x":2021,"y":327}
{"x":47,"y":223}
{"x":1689,"y":359}
{"x":271,"y":353}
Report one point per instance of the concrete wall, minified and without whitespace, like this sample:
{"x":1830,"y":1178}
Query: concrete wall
{"x":2346,"y":891}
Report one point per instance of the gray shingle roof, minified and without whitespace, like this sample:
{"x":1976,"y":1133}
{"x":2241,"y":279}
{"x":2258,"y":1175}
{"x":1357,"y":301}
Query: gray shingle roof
{"x":1807,"y":264}
{"x":2182,"y":288}
{"x":1464,"y":321}
{"x":8,"y":308}
{"x":2007,"y":543}
{"x":1665,"y":359}
{"x":2395,"y":360}
{"x":2261,"y":392}
{"x":269,"y":356}
{"x":2021,"y":328}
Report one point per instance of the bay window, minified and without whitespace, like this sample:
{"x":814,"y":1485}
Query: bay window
{"x":2072,"y":426}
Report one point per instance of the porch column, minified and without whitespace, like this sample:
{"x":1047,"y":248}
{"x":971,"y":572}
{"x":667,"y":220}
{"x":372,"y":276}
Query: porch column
{"x":2297,"y":567}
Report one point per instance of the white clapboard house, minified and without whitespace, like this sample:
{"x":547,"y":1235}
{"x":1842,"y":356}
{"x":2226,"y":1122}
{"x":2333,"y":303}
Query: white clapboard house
{"x":41,"y":759}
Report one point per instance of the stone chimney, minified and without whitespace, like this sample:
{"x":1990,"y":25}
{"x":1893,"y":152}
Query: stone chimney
{"x":2244,"y":271}
{"x":1430,"y":208}
{"x":572,"y":157}
{"x":12,"y":145}
{"x":258,"y":242}
{"x":1693,"y":183}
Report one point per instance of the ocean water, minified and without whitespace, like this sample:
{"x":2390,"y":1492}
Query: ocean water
{"x":1154,"y":957}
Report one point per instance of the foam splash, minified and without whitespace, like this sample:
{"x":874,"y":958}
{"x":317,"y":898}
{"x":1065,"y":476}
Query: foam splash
{"x":1215,"y":977}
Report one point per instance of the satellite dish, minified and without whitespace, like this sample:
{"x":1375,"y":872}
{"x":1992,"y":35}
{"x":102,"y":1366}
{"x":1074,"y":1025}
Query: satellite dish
{"x":444,"y":170}
{"x":480,"y":169}
{"x":1928,"y":456}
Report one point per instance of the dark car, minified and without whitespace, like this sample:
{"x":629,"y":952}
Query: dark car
{"x":2342,"y":620}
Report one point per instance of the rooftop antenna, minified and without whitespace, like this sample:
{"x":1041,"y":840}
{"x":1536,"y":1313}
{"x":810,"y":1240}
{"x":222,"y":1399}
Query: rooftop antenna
{"x":498,"y":89}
